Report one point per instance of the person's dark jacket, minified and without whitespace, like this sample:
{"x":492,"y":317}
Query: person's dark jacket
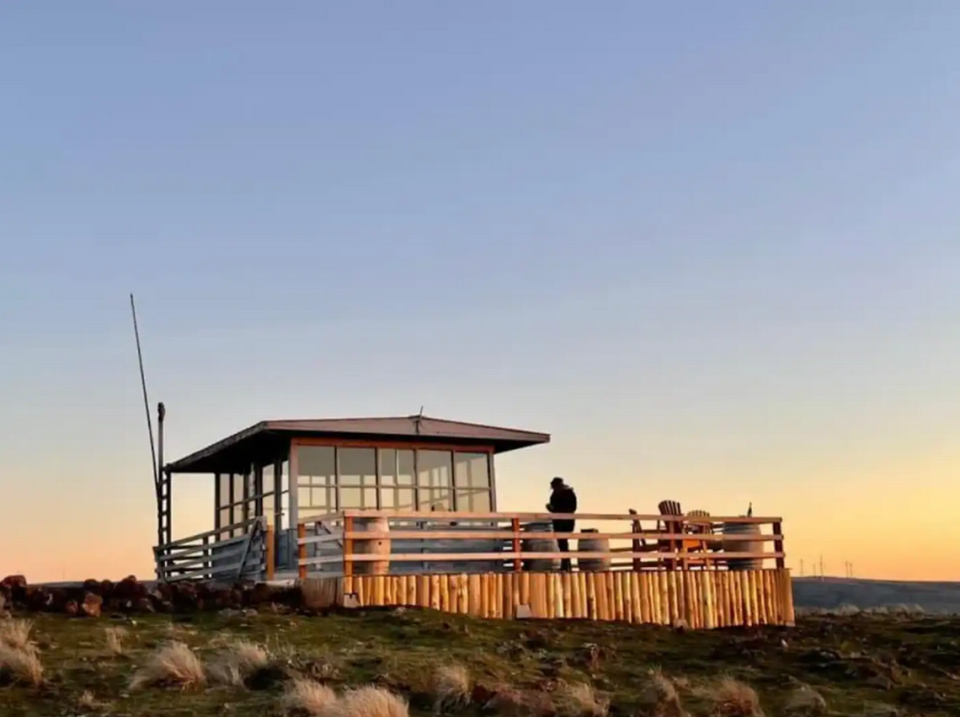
{"x":563,"y":500}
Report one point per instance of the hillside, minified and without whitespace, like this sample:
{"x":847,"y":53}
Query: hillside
{"x":831,"y":593}
{"x":863,"y":665}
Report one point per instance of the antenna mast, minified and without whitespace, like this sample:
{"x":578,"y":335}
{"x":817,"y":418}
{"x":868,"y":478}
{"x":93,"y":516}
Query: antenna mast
{"x":146,"y":401}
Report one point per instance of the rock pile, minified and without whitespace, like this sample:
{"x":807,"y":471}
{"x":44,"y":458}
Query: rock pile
{"x":131,"y":596}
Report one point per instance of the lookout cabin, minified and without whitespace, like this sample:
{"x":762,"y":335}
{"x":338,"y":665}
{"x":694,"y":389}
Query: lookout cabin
{"x":275,"y":475}
{"x":404,"y":511}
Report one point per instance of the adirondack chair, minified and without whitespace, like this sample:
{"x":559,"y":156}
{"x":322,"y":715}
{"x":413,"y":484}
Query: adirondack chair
{"x":669,"y":508}
{"x":703,"y":545}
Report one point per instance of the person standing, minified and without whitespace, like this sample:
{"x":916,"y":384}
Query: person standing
{"x":563,"y":500}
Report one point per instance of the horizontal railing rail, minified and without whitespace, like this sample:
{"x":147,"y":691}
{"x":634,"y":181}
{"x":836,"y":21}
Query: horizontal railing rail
{"x":206,"y":556}
{"x":508,"y":541}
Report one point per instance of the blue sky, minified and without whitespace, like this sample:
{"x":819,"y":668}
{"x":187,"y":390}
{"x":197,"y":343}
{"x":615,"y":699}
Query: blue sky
{"x":711,"y":247}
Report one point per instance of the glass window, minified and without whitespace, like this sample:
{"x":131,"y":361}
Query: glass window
{"x":476,"y":501}
{"x":317,"y":475}
{"x":405,"y":467}
{"x":471,"y":470}
{"x":405,"y":499}
{"x":284,"y":489}
{"x":434,"y":473}
{"x":357,"y":477}
{"x":388,"y":466}
{"x":225,"y":483}
{"x":268,"y":487}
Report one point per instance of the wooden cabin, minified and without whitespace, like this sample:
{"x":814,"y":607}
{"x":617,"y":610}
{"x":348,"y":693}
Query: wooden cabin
{"x":404,"y":511}
{"x":280,"y":473}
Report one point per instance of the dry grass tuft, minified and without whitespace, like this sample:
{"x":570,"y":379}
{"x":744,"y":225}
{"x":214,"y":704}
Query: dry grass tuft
{"x":732,"y":698}
{"x":173,"y":665}
{"x":370,"y":701}
{"x":238,"y":662}
{"x":306,"y":697}
{"x":579,"y":699}
{"x":511,"y":702}
{"x":805,"y":702}
{"x":88,"y":703}
{"x":115,"y":637}
{"x":20,"y":665}
{"x":16,"y":633}
{"x":451,"y":688}
{"x":659,"y":697}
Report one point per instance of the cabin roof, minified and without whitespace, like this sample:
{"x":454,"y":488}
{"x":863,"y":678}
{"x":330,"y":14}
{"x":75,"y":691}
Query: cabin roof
{"x":263,"y":439}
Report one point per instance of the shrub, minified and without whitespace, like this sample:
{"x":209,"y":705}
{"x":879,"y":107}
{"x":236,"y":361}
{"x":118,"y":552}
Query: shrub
{"x":16,"y":633}
{"x":451,"y":688}
{"x":20,"y":665}
{"x":306,"y":697}
{"x":173,"y":665}
{"x":370,"y":702}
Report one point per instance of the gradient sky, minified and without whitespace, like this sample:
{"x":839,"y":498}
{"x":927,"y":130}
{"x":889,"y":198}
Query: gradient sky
{"x":712,"y":248}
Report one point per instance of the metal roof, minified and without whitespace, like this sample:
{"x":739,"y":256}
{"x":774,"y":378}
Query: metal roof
{"x":264,"y":438}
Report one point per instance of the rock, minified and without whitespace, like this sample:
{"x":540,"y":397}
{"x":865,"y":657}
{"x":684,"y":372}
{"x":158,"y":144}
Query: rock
{"x":91,"y":605}
{"x":129,"y":589}
{"x":13,"y":582}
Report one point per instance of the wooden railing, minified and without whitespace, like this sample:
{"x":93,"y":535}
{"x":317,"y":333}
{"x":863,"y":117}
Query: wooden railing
{"x":240,"y":550}
{"x":373,"y":542}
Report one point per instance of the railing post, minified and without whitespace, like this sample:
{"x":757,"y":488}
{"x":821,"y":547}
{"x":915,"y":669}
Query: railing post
{"x":778,"y":545}
{"x":270,"y":555}
{"x":515,"y":524}
{"x":301,"y":550}
{"x":347,"y":545}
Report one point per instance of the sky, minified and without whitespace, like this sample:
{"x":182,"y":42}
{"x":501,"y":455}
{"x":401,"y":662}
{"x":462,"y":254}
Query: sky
{"x":711,"y":248}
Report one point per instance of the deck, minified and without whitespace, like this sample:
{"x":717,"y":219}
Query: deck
{"x":704,"y":571}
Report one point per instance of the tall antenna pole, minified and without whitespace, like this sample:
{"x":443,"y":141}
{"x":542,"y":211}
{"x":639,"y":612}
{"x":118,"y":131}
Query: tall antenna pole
{"x":146,"y":401}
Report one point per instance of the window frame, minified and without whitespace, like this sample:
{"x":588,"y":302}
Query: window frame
{"x":420,"y":500}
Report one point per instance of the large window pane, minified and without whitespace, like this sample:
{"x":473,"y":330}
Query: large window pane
{"x":405,"y":499}
{"x":269,"y":488}
{"x":317,"y":475}
{"x":471,"y":470}
{"x":476,"y":501}
{"x":434,"y":474}
{"x":358,"y":468}
{"x":434,"y":469}
{"x":388,"y":466}
{"x":405,"y":468}
{"x":284,"y":497}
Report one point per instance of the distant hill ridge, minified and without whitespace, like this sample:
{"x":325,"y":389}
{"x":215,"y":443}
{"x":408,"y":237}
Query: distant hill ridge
{"x":831,"y":593}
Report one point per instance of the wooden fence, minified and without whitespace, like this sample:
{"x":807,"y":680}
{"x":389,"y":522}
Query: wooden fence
{"x":240,"y":550}
{"x":701,"y":599}
{"x":369,"y":541}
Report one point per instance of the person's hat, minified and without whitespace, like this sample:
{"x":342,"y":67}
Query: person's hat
{"x":556,"y":482}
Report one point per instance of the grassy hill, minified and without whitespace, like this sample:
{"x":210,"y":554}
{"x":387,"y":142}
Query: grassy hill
{"x":267,"y":665}
{"x":831,"y":593}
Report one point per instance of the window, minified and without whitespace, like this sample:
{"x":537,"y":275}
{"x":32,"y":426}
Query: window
{"x":348,"y":478}
{"x":434,"y":480}
{"x":316,"y":480}
{"x":472,"y":482}
{"x":269,"y":485}
{"x":357,"y":477}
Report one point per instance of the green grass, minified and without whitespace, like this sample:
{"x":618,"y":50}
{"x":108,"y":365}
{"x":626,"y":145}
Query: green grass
{"x":854,"y":663}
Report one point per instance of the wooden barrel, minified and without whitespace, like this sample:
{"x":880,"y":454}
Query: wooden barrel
{"x":379,"y":546}
{"x":540,"y":545}
{"x":593,"y":545}
{"x":746,"y":546}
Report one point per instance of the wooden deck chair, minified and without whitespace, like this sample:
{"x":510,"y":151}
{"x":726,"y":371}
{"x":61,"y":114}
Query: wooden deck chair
{"x":637,"y":545}
{"x":669,"y":508}
{"x":700,"y":545}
